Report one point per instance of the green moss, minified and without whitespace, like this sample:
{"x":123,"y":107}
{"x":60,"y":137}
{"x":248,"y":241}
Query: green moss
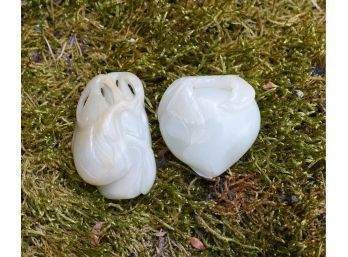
{"x":262,"y":41}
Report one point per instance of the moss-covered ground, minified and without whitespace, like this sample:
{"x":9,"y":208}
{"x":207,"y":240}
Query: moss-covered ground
{"x":270,"y":203}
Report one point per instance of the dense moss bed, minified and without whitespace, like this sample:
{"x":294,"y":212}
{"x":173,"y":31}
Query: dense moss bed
{"x":270,"y":203}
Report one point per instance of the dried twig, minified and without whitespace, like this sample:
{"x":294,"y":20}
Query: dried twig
{"x":49,"y":48}
{"x":62,"y":52}
{"x":314,"y":2}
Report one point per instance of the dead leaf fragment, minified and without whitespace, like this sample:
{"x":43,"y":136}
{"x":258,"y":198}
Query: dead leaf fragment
{"x":97,"y":227}
{"x":95,"y":240}
{"x":269,"y":86}
{"x":196,"y":243}
{"x":96,"y":234}
{"x":160,"y":243}
{"x":160,"y":233}
{"x":31,"y":65}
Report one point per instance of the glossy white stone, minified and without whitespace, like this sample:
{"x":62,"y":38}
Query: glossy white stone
{"x":112,"y":143}
{"x":209,"y":122}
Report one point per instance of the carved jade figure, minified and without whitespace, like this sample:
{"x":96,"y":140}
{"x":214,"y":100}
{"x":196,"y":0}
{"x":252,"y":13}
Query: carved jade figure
{"x":112,"y":143}
{"x":209,"y":122}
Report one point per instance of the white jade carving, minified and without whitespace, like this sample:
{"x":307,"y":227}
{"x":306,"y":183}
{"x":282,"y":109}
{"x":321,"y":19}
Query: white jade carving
{"x":209,"y":122}
{"x":112,"y":143}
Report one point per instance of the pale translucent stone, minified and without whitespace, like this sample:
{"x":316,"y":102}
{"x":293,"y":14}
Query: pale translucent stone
{"x":112,"y":143}
{"x":209,"y":122}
